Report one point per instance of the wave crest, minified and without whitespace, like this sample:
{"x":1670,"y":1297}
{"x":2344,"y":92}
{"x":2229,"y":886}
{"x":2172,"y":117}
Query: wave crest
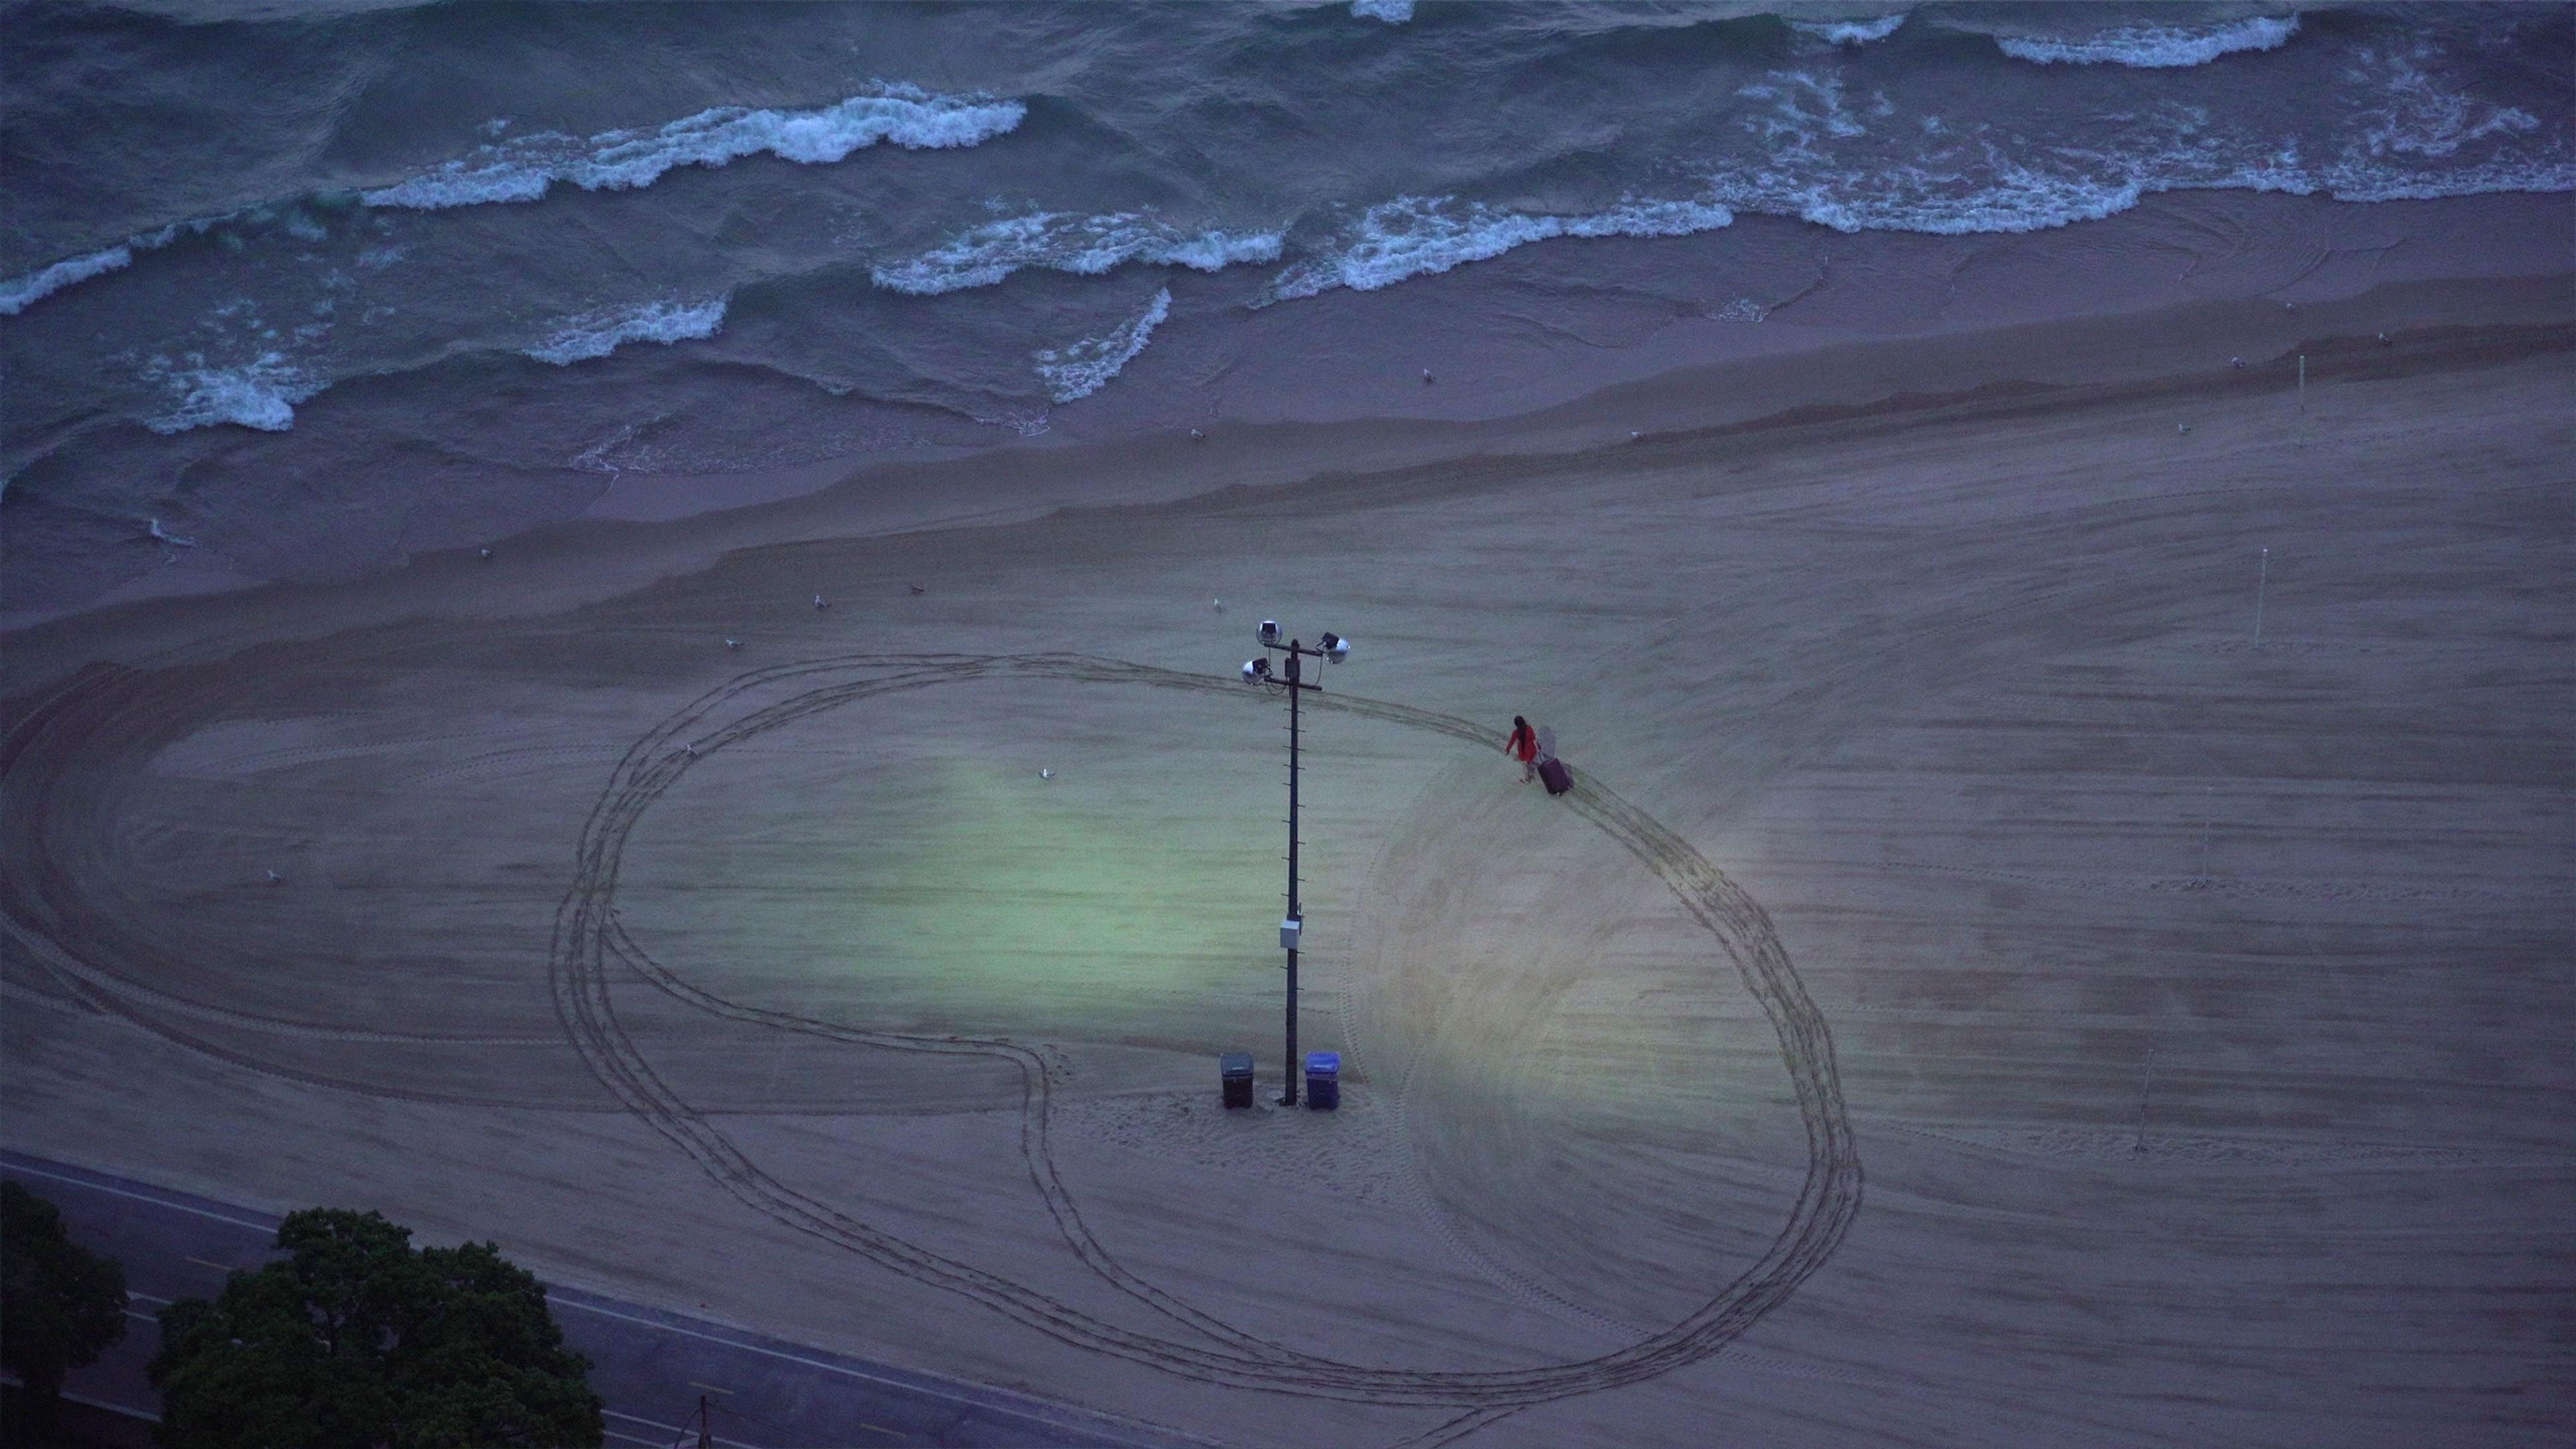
{"x":1079,"y":369}
{"x":18,"y":293}
{"x":1850,"y":32}
{"x":1061,"y":241}
{"x":2153,"y":47}
{"x":597,"y":334}
{"x":523,"y":169}
{"x":1413,"y":236}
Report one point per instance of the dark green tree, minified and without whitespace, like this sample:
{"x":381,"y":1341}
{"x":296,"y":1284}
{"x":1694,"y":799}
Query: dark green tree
{"x":356,"y":1341}
{"x":60,"y":1304}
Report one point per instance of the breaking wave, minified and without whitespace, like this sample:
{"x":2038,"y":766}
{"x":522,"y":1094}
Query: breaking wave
{"x":17,"y":293}
{"x":2153,"y":46}
{"x":1065,"y":242}
{"x":522,"y":169}
{"x":597,"y":334}
{"x":1393,"y":12}
{"x":1414,"y":236}
{"x":261,"y":393}
{"x":1850,"y":32}
{"x":1079,"y":369}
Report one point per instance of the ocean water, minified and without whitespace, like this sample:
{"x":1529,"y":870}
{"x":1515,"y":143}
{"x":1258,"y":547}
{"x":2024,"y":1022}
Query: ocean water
{"x":318,"y":284}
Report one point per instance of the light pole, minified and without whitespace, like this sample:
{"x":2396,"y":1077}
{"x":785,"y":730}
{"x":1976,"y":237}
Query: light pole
{"x":1291,"y":678}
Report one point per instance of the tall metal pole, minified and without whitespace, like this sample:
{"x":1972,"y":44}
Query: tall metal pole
{"x":1289,"y":1097}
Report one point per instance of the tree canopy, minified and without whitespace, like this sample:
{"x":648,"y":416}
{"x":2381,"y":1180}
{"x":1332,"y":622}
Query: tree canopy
{"x":357,"y":1341}
{"x":60,"y":1304}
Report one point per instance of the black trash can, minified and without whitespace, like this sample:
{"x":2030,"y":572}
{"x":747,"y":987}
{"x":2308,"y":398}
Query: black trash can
{"x":1324,"y":1080}
{"x":1234,"y":1069}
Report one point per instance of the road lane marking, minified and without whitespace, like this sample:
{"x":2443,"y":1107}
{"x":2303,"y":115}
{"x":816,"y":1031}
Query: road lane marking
{"x":710,"y":1388}
{"x":218,"y":1267}
{"x":141,"y":1197}
{"x":881,"y":1429}
{"x":672,"y":1429}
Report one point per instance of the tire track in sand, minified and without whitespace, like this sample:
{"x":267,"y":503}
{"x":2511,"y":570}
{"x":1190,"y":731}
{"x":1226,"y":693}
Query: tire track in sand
{"x":587,"y":938}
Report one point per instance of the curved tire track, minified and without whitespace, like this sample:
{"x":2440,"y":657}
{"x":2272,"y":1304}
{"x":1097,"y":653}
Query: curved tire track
{"x":587,"y":937}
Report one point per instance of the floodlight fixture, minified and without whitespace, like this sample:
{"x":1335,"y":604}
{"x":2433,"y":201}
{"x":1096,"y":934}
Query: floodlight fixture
{"x":1336,"y":648}
{"x":1256,"y":671}
{"x":1270,"y":632}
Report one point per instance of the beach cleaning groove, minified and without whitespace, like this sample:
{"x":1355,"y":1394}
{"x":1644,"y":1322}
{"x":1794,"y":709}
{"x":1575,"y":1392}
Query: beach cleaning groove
{"x":587,"y":936}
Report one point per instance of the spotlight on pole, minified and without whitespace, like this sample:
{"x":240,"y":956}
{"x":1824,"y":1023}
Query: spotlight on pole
{"x":1293,"y":681}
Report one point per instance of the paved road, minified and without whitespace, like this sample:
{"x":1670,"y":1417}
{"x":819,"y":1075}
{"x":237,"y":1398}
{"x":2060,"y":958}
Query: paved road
{"x":651,"y":1366}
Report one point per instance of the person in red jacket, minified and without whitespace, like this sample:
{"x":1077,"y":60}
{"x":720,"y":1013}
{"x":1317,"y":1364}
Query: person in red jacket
{"x":1523,"y":746}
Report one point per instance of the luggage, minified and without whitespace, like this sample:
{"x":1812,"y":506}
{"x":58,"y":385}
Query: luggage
{"x":1557,"y":778}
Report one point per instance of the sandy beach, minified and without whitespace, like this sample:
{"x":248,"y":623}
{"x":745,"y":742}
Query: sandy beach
{"x":2063,"y":935}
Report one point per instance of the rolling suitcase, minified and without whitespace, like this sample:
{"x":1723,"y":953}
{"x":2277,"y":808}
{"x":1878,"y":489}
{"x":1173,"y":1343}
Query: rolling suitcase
{"x":1557,"y":778}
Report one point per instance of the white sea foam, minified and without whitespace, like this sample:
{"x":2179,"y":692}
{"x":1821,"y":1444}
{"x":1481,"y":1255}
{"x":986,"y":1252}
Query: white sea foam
{"x":1067,"y":242}
{"x":1079,"y":369}
{"x":1393,"y":12}
{"x":261,"y":393}
{"x":597,"y":334}
{"x":2154,"y":46}
{"x":2416,"y":116}
{"x":1414,"y":236}
{"x":521,"y":169}
{"x":17,"y":293}
{"x":1850,"y":32}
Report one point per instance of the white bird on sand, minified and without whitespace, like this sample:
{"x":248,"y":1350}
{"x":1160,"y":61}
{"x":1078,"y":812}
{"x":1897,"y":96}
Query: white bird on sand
{"x":274,"y":877}
{"x":1046,"y":774}
{"x":172,"y":539}
{"x":2386,"y":341}
{"x":689,"y":750}
{"x":2236,"y":362}
{"x":487,"y":555}
{"x":1217,"y":604}
{"x":2182,"y":427}
{"x":1635,"y":433}
{"x":818,"y":602}
{"x":918,"y":588}
{"x":1426,"y":376}
{"x":733,"y":643}
{"x":1197,"y":437}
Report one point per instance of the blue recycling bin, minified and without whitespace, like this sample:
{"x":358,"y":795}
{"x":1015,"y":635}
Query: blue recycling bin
{"x":1324,"y":1080}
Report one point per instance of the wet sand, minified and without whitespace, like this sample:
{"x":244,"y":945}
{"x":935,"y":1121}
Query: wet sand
{"x":1988,"y":988}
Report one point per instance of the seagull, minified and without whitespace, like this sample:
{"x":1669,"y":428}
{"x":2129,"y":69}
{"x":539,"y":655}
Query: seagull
{"x":1635,"y":433}
{"x":172,"y":539}
{"x":2182,"y":427}
{"x":733,"y":643}
{"x":690,"y":750}
{"x":2236,"y":362}
{"x":1217,"y":604}
{"x":1426,"y":377}
{"x":2387,"y":341}
{"x":818,"y":602}
{"x":917,"y":588}
{"x":1046,"y":774}
{"x":487,"y":555}
{"x":1197,"y":437}
{"x":274,"y":877}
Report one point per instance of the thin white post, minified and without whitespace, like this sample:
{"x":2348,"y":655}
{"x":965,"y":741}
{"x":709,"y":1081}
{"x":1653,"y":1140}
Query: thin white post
{"x":2303,"y":382}
{"x":2261,"y":580}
